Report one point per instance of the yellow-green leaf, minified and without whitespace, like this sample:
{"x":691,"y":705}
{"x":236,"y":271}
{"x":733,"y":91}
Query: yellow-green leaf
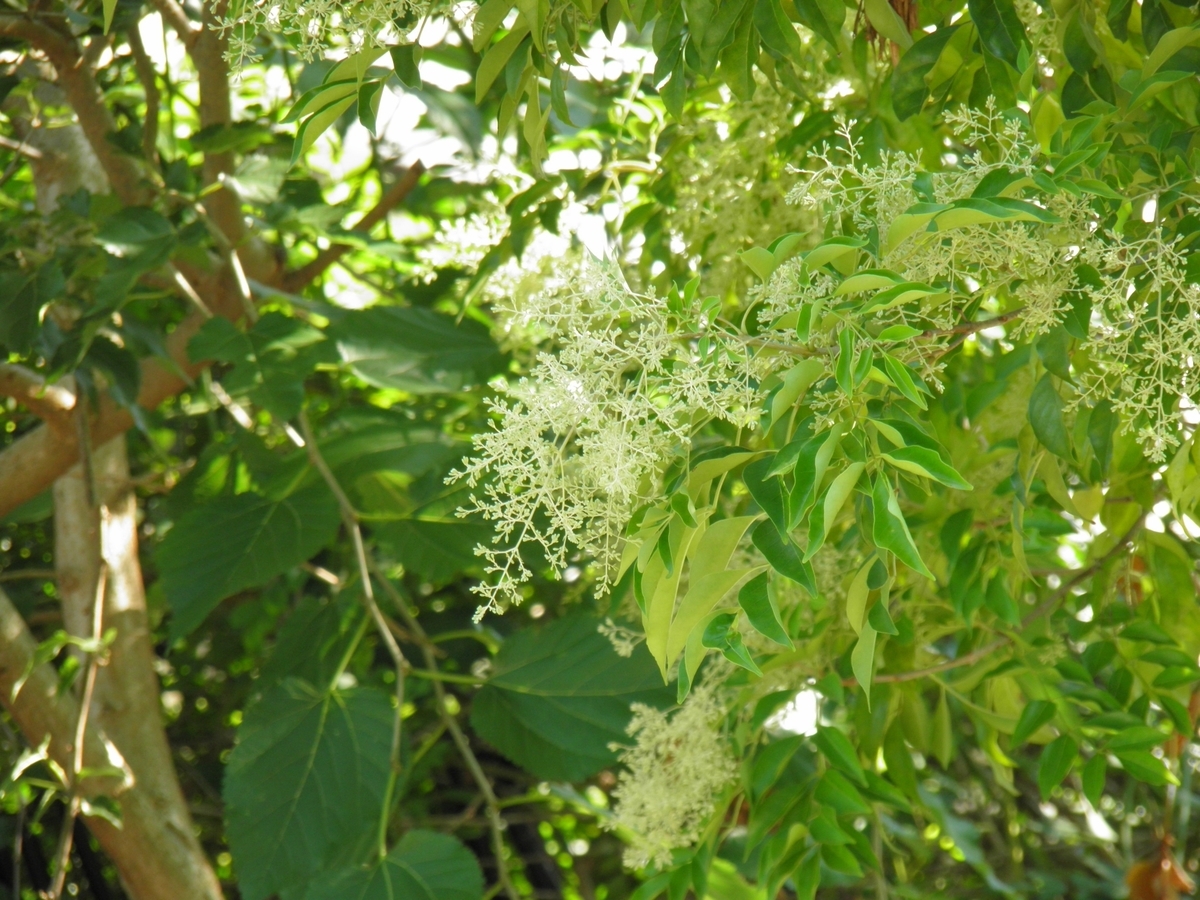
{"x":862,"y":660}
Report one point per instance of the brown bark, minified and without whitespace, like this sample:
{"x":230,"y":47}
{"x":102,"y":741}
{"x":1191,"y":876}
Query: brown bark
{"x":156,"y":852}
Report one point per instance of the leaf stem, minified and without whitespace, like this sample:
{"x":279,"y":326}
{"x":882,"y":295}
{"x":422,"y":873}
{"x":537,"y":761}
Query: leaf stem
{"x":496,"y":822}
{"x":350,"y":521}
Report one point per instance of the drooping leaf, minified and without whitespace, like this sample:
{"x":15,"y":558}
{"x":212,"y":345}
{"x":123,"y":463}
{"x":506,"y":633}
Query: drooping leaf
{"x":415,"y":350}
{"x":234,"y":543}
{"x":1056,"y":761}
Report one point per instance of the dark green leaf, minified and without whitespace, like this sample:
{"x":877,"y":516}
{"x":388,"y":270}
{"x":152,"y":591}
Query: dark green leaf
{"x":891,"y":531}
{"x":836,"y":747}
{"x":909,"y":89}
{"x":756,"y":600}
{"x":424,"y":865}
{"x":415,"y":350}
{"x":560,"y":695}
{"x":437,"y":551}
{"x":1000,"y":29}
{"x":783,"y":556}
{"x":1046,"y":417}
{"x":1056,"y":761}
{"x":1035,"y":714}
{"x":298,"y":749}
{"x":234,"y":543}
{"x":1093,"y":776}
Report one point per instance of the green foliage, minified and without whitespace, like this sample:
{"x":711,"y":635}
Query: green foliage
{"x":302,"y":746}
{"x":558,"y":698}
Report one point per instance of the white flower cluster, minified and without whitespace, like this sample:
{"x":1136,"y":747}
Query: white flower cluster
{"x":578,"y":443}
{"x":1146,"y":329}
{"x":1032,"y":262}
{"x":674,"y":772}
{"x":315,"y":24}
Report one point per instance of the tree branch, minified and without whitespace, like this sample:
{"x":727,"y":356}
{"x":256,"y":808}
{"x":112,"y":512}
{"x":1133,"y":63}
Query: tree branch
{"x":86,"y":98}
{"x":50,"y":402}
{"x":177,"y":17}
{"x":293,"y":282}
{"x":20,"y":147}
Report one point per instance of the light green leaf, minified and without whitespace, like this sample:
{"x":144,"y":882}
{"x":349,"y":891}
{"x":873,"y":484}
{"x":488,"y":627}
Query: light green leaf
{"x":702,"y":595}
{"x":760,"y":261}
{"x":925,"y":462}
{"x":796,"y":380}
{"x":857,"y":594}
{"x":862,"y":660}
{"x":885,"y":20}
{"x":868,"y":280}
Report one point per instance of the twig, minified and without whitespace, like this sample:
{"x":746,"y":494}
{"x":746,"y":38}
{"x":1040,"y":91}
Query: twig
{"x":21,"y":574}
{"x":351,"y":523}
{"x":149,"y":79}
{"x":20,"y":147}
{"x":504,"y":882}
{"x":62,"y":857}
{"x":393,"y":197}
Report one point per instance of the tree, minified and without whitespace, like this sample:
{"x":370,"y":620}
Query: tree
{"x":850,"y":490}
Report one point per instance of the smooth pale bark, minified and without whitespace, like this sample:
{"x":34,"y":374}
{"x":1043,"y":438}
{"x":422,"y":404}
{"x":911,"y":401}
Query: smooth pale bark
{"x":156,"y":852}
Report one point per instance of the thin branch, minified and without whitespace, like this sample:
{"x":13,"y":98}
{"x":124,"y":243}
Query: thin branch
{"x":63,"y":855}
{"x":393,"y":197}
{"x":20,"y":147}
{"x":428,"y":651}
{"x":149,"y":78}
{"x":50,"y":402}
{"x":28,"y":574}
{"x":350,"y":521}
{"x":175,"y":14}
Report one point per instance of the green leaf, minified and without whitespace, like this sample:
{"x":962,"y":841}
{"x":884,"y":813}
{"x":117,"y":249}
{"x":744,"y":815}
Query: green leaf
{"x":1145,"y":766}
{"x":436,"y":550}
{"x":406,"y":59}
{"x":270,"y":361}
{"x":909,"y":88}
{"x":881,"y":620}
{"x":415,"y":350}
{"x":779,"y":35}
{"x":942,"y":732}
{"x":925,"y":462}
{"x":1139,"y":737}
{"x":755,"y":598}
{"x":1056,"y":761}
{"x":721,"y":634}
{"x":1145,"y":630}
{"x":110,"y":9}
{"x":1046,"y":417}
{"x":808,"y":876}
{"x":844,"y":368}
{"x":239,"y":542}
{"x":862,"y":660}
{"x":897,"y":333}
{"x":297,"y":749}
{"x":836,"y":747}
{"x":424,"y":865}
{"x":1000,"y":601}
{"x":560,"y":695}
{"x":891,"y":530}
{"x":1094,"y":775}
{"x":1000,"y":29}
{"x":783,"y":556}
{"x":1035,"y":714}
{"x":902,"y":378}
{"x":888,"y":23}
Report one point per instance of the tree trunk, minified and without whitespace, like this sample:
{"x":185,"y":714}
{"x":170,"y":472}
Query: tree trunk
{"x":156,"y":850}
